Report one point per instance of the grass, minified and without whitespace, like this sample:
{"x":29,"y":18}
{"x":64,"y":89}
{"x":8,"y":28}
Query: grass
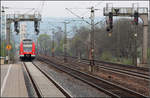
{"x":107,"y":56}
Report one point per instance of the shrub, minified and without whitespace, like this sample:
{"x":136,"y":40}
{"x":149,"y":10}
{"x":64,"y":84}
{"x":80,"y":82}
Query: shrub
{"x":106,"y":56}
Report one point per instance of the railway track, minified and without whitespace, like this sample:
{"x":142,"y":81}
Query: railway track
{"x":122,"y":71}
{"x":118,"y":69}
{"x":33,"y":82}
{"x":36,"y":87}
{"x":116,"y":76}
{"x":109,"y":88}
{"x":133,"y":67}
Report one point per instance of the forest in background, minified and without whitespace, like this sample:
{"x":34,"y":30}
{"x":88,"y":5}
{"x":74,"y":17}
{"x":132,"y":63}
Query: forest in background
{"x":120,"y":47}
{"x":117,"y":48}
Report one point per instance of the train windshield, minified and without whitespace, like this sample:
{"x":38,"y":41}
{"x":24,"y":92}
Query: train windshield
{"x":27,"y":45}
{"x":27,"y":49}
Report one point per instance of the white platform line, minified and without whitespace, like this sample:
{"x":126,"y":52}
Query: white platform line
{"x":5,"y":79}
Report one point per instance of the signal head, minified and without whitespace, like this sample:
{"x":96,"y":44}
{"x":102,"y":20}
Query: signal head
{"x":136,"y":15}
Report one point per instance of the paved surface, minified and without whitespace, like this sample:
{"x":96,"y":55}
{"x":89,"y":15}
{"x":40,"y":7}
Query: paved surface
{"x":12,"y":81}
{"x":47,"y":88}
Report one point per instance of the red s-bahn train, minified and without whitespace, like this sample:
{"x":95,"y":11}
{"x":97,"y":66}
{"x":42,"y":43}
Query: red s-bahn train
{"x":27,"y":49}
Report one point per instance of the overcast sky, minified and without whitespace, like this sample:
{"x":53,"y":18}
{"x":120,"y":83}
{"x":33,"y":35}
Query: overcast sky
{"x":57,"y":8}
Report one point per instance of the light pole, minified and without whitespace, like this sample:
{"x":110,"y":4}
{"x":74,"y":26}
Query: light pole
{"x":3,"y":30}
{"x":91,"y":52}
{"x":92,"y":38}
{"x":53,"y":43}
{"x":65,"y":41}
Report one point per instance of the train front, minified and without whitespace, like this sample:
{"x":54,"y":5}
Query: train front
{"x":27,"y":50}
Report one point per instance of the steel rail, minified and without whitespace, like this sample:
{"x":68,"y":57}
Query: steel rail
{"x":101,"y":84}
{"x":111,"y":63}
{"x":123,"y":71}
{"x":120,"y":70}
{"x":36,"y":88}
{"x":53,"y":81}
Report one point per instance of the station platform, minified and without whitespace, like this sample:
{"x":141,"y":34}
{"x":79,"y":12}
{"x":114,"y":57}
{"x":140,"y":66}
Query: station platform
{"x":47,"y":88}
{"x":12,"y":81}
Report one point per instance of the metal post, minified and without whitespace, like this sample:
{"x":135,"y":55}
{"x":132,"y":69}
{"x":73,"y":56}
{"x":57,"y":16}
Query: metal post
{"x":91,"y":54}
{"x":3,"y":31}
{"x":135,"y":45}
{"x":37,"y":46}
{"x":53,"y":44}
{"x":65,"y":42}
{"x":8,"y":38}
{"x":118,"y":41}
{"x":145,"y":43}
{"x":145,"y":38}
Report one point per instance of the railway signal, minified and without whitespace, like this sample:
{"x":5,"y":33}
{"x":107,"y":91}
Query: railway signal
{"x":110,"y":20}
{"x":36,"y":26}
{"x":109,"y":31}
{"x":109,"y":23}
{"x":16,"y":18}
{"x":136,"y":12}
{"x":136,"y":16}
{"x":16,"y":26}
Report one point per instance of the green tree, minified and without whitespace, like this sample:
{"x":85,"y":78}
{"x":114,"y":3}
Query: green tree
{"x":59,"y":48}
{"x":44,"y":43}
{"x":3,"y":48}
